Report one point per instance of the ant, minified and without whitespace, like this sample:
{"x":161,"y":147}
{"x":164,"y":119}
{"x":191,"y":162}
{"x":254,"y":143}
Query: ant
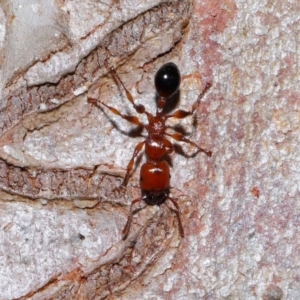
{"x":155,"y":173}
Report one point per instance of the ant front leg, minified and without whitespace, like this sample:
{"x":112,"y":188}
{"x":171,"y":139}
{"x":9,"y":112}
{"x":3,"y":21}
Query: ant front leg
{"x":138,"y":107}
{"x":181,"y":114}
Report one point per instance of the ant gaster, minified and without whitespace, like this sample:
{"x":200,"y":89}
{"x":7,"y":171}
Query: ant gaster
{"x":155,"y":173}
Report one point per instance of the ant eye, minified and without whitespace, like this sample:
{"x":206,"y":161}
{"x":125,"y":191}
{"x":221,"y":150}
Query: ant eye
{"x":167,"y":80}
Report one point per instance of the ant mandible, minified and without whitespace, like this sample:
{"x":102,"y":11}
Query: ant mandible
{"x":155,"y":173}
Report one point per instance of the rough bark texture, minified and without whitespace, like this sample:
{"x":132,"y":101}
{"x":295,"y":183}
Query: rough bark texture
{"x":61,"y":158}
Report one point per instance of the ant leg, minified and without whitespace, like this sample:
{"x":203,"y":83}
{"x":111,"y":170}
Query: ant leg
{"x":176,"y":211}
{"x":125,"y":231}
{"x":179,"y":137}
{"x":132,"y":119}
{"x":168,"y":146}
{"x":138,"y":107}
{"x":139,"y":146}
{"x":181,"y":114}
{"x":137,"y":149}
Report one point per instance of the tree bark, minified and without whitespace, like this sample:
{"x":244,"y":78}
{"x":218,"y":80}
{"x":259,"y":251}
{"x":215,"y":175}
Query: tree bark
{"x":62,"y":158}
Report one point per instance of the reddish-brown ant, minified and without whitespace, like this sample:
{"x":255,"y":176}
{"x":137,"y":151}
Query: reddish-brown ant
{"x":155,"y":173}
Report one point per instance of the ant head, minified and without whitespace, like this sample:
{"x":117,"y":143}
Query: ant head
{"x":167,"y":80}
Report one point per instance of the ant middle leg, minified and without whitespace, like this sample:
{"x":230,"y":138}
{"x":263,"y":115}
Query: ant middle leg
{"x":132,"y":119}
{"x":139,"y":146}
{"x":179,"y":137}
{"x":137,"y":150}
{"x":181,"y":114}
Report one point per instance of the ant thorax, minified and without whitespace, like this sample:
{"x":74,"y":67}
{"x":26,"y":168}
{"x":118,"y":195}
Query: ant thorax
{"x":156,"y":125}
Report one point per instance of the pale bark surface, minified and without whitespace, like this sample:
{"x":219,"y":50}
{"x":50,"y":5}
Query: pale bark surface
{"x":61,"y":157}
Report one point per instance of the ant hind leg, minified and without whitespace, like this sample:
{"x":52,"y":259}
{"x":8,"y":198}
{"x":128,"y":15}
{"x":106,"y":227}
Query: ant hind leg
{"x":121,"y":189}
{"x":126,"y":229}
{"x":177,"y":213}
